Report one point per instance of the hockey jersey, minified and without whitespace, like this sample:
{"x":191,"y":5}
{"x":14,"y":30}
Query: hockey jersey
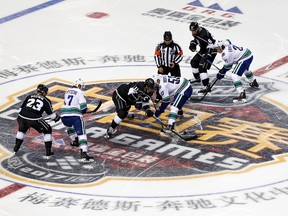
{"x":34,"y":106}
{"x":170,"y":86}
{"x":132,"y":99}
{"x":233,"y":54}
{"x":74,"y":103}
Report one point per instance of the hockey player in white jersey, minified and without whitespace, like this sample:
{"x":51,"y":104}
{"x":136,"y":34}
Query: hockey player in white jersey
{"x":177,"y":87}
{"x":71,"y":113}
{"x":240,"y":57}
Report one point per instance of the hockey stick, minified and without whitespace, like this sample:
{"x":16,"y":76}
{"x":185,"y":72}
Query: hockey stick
{"x":183,"y":137}
{"x":200,"y":99}
{"x":96,"y":108}
{"x":209,"y":61}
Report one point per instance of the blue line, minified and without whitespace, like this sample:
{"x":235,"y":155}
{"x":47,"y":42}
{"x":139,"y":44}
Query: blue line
{"x":29,"y":10}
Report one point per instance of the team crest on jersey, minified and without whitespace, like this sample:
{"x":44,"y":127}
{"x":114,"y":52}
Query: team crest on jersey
{"x":231,"y":138}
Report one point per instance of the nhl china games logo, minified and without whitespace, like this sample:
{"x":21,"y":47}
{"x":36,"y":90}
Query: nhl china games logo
{"x":232,"y":138}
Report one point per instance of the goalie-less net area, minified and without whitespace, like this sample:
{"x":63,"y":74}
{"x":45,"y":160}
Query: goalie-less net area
{"x":235,"y":166}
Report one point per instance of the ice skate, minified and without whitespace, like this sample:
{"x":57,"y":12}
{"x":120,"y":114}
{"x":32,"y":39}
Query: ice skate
{"x":180,"y":113}
{"x":110,"y":131}
{"x":85,"y":157}
{"x":254,"y":84}
{"x":240,"y":98}
{"x":75,"y":143}
{"x":163,"y":133}
{"x":49,"y":154}
{"x":131,"y":115}
{"x":206,"y":90}
{"x":169,"y":129}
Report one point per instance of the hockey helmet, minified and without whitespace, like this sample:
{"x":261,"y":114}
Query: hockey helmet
{"x":150,"y":84}
{"x":43,"y":89}
{"x":167,"y":36}
{"x":223,"y":43}
{"x":156,"y":78}
{"x":193,"y":26}
{"x":78,"y":82}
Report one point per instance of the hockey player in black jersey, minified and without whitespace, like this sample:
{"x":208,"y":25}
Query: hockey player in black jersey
{"x":202,"y":60}
{"x":131,"y":94}
{"x":30,"y":116}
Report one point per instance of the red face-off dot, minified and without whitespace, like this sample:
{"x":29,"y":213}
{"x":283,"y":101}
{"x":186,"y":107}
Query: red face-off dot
{"x":97,"y":15}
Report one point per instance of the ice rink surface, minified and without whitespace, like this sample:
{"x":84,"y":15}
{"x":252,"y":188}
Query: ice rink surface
{"x":237,"y":166}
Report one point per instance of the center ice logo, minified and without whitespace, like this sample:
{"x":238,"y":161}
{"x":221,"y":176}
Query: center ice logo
{"x":231,"y":139}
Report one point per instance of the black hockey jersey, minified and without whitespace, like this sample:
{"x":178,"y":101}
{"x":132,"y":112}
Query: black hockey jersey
{"x":34,"y":105}
{"x":204,"y":38}
{"x":132,"y":99}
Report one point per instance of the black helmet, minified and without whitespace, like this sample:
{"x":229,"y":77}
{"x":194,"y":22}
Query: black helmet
{"x":167,"y":36}
{"x":43,"y":89}
{"x":149,"y":83}
{"x":193,"y":26}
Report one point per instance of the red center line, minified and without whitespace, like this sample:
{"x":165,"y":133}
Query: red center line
{"x":10,"y":189}
{"x":271,"y":66}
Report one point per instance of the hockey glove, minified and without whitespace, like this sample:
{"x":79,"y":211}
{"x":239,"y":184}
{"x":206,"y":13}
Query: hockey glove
{"x":133,"y":90}
{"x":138,"y":105}
{"x":220,"y":74}
{"x":193,"y":45}
{"x":158,"y":113}
{"x":157,"y":100}
{"x":149,"y":113}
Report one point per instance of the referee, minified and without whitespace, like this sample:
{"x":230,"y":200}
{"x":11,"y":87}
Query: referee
{"x":168,"y":55}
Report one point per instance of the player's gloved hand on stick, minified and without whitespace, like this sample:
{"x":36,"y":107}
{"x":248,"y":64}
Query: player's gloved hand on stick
{"x":158,"y":113}
{"x":157,"y":100}
{"x":220,"y":74}
{"x":149,"y":113}
{"x":138,"y":105}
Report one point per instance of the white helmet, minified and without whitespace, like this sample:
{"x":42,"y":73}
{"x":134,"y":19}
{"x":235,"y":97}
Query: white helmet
{"x":156,"y":78}
{"x":78,"y":82}
{"x":223,"y":43}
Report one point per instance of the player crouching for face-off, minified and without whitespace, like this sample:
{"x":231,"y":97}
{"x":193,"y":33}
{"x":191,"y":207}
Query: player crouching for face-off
{"x":137,"y":94}
{"x":71,"y":112}
{"x":30,"y":116}
{"x":242,"y":58}
{"x":177,"y":87}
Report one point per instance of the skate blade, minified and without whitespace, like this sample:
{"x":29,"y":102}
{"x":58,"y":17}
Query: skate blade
{"x":201,"y":94}
{"x":239,"y":102}
{"x":84,"y":160}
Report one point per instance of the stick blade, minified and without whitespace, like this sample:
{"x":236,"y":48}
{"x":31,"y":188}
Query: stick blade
{"x":189,"y":137}
{"x":96,"y":108}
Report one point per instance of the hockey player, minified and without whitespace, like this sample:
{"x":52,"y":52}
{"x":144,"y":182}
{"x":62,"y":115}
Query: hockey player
{"x":134,"y":93}
{"x":242,"y":58}
{"x":168,"y":54}
{"x":30,"y":116}
{"x":71,"y":112}
{"x":202,"y":60}
{"x":177,"y":87}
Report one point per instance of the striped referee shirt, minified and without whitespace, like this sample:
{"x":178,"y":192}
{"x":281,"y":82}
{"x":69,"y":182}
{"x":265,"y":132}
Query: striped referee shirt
{"x":166,"y":54}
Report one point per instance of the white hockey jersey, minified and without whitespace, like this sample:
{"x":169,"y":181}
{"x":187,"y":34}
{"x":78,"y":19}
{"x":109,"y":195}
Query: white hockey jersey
{"x":233,"y":54}
{"x":74,"y":103}
{"x":170,"y":86}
